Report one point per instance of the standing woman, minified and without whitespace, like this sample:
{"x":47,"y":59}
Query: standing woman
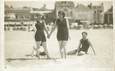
{"x":40,"y":37}
{"x":62,"y":32}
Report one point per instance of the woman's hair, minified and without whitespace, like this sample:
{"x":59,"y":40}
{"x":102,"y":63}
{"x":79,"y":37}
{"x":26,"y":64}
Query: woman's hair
{"x":62,"y":13}
{"x":43,"y":17}
{"x":84,"y":33}
{"x":37,"y":21}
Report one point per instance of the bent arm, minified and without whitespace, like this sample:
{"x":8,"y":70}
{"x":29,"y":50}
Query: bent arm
{"x":67,"y":23}
{"x":92,"y":47}
{"x":78,"y":49}
{"x":79,"y":46}
{"x":68,"y":26}
{"x":34,"y":28}
{"x":45,"y":28}
{"x":53,"y":28}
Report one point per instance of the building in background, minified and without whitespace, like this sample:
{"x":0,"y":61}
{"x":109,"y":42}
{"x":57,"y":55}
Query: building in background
{"x":108,"y":16}
{"x":23,"y":16}
{"x":24,"y":13}
{"x":98,"y":13}
{"x":66,"y":6}
{"x":17,"y":14}
{"x":91,"y":14}
{"x":37,"y":12}
{"x":83,"y":13}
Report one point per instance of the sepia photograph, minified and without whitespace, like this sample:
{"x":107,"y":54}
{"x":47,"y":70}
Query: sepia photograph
{"x":70,"y":35}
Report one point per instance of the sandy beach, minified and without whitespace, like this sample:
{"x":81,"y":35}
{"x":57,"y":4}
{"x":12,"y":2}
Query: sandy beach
{"x":20,"y":43}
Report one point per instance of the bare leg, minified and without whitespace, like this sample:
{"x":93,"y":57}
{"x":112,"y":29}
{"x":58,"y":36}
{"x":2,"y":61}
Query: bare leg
{"x":78,"y":51}
{"x":72,"y":52}
{"x":45,"y":49}
{"x":86,"y":52}
{"x":37,"y":49}
{"x":60,"y":45}
{"x":64,"y":49}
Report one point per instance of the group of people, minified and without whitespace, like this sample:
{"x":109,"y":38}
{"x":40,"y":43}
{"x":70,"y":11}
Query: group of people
{"x":62,"y":25}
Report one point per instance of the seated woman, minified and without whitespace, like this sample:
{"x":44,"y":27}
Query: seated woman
{"x":83,"y":45}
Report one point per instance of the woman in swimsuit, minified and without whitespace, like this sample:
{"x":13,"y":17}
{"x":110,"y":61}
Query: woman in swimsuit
{"x":63,"y":32}
{"x":40,"y":36}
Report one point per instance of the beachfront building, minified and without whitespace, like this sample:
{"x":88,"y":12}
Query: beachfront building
{"x":66,"y":6}
{"x":25,"y":13}
{"x":23,"y":16}
{"x":98,"y":13}
{"x":90,"y":13}
{"x":17,"y":14}
{"x":83,"y":13}
{"x":37,"y":12}
{"x":108,"y":16}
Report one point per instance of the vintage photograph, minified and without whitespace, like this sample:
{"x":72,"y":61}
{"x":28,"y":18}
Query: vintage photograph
{"x":59,"y":35}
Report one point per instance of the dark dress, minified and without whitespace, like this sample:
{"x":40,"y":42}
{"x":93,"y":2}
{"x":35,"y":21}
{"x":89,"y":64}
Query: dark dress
{"x":85,"y":45}
{"x":40,"y":35}
{"x":62,"y":32}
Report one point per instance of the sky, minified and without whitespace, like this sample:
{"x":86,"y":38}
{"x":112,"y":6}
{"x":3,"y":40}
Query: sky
{"x":51,"y":3}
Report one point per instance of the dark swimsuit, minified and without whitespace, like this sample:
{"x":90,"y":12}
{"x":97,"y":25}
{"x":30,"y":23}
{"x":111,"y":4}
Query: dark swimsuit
{"x":40,"y":35}
{"x":62,"y":33}
{"x":85,"y":45}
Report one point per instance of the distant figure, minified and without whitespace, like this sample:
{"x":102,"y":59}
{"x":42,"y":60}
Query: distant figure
{"x":83,"y":45}
{"x":40,"y":37}
{"x":62,"y":25}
